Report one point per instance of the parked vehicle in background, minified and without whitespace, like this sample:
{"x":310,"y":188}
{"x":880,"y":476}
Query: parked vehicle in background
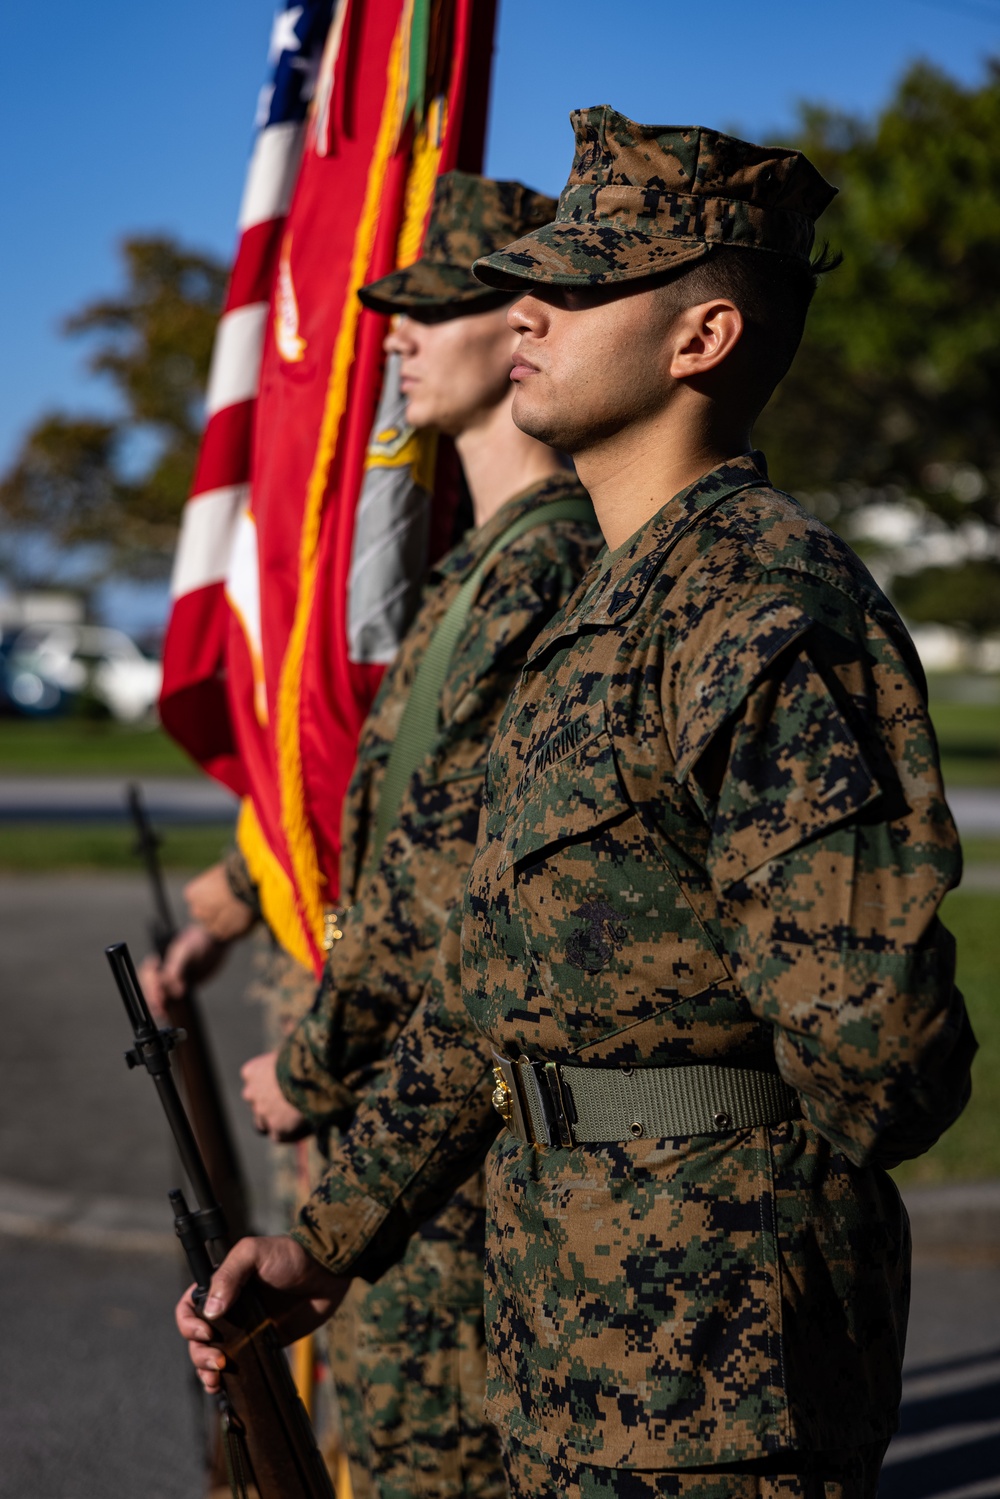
{"x":51,"y":668}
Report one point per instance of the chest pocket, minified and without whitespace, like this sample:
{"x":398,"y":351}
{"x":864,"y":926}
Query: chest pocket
{"x":605,"y":923}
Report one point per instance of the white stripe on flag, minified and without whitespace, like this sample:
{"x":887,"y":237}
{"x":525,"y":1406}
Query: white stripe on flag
{"x":243,"y":591}
{"x":271,"y":174}
{"x":205,"y":545}
{"x":235,"y":370}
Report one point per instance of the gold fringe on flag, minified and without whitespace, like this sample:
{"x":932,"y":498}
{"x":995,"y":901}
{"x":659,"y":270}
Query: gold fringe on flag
{"x":277,"y":895}
{"x":298,"y":834}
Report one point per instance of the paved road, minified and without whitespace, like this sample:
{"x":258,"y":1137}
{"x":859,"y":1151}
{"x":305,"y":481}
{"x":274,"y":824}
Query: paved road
{"x":196,"y":799}
{"x":94,"y":1399}
{"x":73,"y":1116}
{"x":976,"y":811}
{"x":102,"y":798}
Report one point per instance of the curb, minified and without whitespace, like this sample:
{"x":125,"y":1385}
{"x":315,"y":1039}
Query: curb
{"x":99,"y":1222}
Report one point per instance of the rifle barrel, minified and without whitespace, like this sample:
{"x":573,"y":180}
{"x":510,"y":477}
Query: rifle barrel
{"x":152,"y":1050}
{"x":147,"y":843}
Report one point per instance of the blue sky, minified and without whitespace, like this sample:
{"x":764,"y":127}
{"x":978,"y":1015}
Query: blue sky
{"x":121,"y":117}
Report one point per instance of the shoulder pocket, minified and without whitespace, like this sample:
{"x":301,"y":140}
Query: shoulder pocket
{"x":795,"y":771}
{"x":726,"y":670}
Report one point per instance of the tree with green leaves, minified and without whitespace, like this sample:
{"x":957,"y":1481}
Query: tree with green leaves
{"x":895,"y":395}
{"x":118,"y":485}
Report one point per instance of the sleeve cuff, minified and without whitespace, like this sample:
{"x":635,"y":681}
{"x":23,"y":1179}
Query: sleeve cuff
{"x":325,"y":1101}
{"x":349,"y":1232}
{"x":240,"y":882}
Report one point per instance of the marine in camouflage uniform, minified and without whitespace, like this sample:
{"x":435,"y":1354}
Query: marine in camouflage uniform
{"x":413,"y":1392}
{"x":700,"y":948}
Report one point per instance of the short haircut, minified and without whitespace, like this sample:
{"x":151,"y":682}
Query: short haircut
{"x":772,"y":291}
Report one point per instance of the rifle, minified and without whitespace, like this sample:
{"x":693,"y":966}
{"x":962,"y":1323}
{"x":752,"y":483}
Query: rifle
{"x":198,"y":1073}
{"x":268,"y":1436}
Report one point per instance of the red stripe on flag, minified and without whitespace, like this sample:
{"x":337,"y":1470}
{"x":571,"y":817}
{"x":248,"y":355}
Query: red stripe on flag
{"x":225,"y":449}
{"x":193,"y":706}
{"x":254,"y":269}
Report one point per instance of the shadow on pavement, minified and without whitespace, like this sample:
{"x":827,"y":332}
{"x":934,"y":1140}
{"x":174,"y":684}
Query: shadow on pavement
{"x":948,"y":1445}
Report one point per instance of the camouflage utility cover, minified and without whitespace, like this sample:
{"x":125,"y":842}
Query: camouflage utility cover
{"x":714,"y":831}
{"x":643,"y":199}
{"x":470,"y":216}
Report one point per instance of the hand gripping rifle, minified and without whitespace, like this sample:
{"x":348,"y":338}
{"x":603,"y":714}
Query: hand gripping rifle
{"x":269,"y":1440}
{"x":198,"y":1074}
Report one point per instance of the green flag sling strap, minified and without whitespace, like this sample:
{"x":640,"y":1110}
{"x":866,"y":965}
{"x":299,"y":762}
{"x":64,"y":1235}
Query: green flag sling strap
{"x":550,"y":1103}
{"x":418,"y":727}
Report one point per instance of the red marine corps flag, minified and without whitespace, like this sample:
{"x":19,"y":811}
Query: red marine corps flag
{"x":273,"y":651}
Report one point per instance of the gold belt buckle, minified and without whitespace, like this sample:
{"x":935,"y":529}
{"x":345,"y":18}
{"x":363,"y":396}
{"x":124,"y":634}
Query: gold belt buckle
{"x":502,"y":1097}
{"x":506,"y":1098}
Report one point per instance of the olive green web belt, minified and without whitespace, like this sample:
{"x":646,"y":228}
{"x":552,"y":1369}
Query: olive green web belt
{"x":549,"y":1103}
{"x":419,"y":724}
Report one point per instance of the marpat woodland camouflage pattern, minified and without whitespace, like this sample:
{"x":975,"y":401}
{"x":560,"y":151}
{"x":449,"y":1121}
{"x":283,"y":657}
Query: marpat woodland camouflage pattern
{"x":416,"y":1415}
{"x":643,"y":199}
{"x":714,"y":842}
{"x":470,"y":216}
{"x":714,"y":832}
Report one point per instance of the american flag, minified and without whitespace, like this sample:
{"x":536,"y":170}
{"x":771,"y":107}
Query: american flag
{"x":192,"y":702}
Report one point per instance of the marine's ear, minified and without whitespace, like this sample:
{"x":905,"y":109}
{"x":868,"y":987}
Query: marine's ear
{"x":702,"y":337}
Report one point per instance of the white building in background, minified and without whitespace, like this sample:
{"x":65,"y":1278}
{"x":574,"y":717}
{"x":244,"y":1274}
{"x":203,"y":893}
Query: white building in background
{"x":39,"y":606}
{"x":898,"y":535}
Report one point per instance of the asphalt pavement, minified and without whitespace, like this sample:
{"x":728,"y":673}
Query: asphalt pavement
{"x":95,"y":1399}
{"x":102,"y":799}
{"x":197,"y":799}
{"x":95,"y":1402}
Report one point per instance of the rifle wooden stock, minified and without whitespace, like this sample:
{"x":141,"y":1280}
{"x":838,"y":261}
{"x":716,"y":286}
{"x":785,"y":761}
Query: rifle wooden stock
{"x":284,"y":1458}
{"x":267,"y":1421}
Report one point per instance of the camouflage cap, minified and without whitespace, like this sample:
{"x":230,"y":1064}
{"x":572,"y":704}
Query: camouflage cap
{"x":642,"y":199}
{"x":470,"y":216}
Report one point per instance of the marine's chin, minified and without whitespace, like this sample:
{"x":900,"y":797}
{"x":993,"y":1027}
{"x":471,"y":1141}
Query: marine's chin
{"x":537,"y":421}
{"x":420,"y":412}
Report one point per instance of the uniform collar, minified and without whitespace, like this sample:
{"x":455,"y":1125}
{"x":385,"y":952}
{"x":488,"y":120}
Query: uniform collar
{"x":626,"y":573}
{"x":474,"y":545}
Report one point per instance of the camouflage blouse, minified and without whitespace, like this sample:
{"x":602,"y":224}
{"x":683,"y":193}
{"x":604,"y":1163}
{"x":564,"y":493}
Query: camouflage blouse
{"x":714,"y":831}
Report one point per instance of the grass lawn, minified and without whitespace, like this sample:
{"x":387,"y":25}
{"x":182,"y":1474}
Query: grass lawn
{"x":980,"y":851}
{"x":966,"y":715}
{"x":70,"y":746}
{"x":27,"y":847}
{"x":971,"y":1148}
